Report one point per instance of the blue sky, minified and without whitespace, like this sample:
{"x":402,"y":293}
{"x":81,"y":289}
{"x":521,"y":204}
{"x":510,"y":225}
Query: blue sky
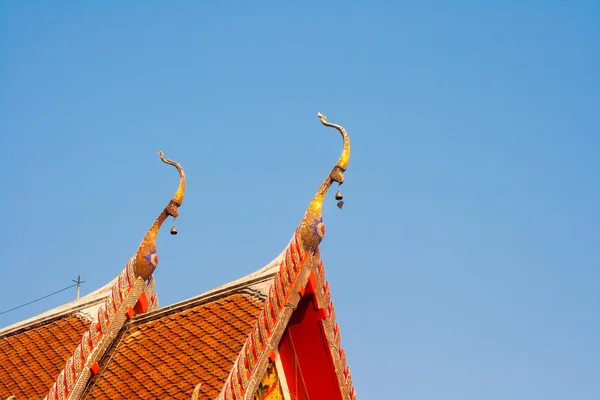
{"x":464,"y":264}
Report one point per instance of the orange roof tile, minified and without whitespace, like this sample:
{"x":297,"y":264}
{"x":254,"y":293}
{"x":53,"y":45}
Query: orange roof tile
{"x":165,"y":356}
{"x":31,"y":360}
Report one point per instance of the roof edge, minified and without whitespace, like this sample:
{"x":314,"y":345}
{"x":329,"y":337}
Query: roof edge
{"x":247,"y":288}
{"x":255,"y":284}
{"x":67,"y":309}
{"x":257,"y":281}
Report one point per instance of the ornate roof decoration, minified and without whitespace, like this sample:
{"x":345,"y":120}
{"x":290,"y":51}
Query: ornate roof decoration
{"x":30,"y":360}
{"x":132,"y":293}
{"x":146,"y":259}
{"x":153,"y":355}
{"x":312,"y":228}
{"x":300,"y":274}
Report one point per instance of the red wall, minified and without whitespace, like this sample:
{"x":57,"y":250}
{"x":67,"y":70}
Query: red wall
{"x":305,"y":355}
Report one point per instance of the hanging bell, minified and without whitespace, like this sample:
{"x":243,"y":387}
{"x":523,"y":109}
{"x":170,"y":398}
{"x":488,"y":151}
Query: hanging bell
{"x":173,"y":230}
{"x":338,"y":195}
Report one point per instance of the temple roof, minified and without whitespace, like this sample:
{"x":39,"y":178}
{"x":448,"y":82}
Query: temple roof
{"x":116,"y":343}
{"x":166,"y":353}
{"x":207,"y":332}
{"x":85,"y":307}
{"x":31,"y":359}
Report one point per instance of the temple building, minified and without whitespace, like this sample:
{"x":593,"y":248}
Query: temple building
{"x":269,"y":335}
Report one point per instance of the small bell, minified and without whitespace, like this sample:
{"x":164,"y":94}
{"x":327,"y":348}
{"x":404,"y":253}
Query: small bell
{"x":340,"y":204}
{"x":338,"y":195}
{"x":173,"y":230}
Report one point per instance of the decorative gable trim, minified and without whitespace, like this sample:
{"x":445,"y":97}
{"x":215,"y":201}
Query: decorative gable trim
{"x":279,"y":305}
{"x":127,"y":293}
{"x":300,"y":274}
{"x":133,"y":292}
{"x":332,"y":331}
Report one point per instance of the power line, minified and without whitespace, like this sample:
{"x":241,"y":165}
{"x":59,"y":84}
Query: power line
{"x":41,"y":298}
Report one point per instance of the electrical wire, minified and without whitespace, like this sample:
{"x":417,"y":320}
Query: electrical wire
{"x":41,"y":298}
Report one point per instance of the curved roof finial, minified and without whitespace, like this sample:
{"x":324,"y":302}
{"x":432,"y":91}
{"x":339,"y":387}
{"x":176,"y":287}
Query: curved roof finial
{"x":146,"y":258}
{"x":312,"y":228}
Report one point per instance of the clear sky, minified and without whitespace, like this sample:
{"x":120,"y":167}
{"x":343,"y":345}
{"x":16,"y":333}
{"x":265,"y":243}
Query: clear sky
{"x":464,"y":264}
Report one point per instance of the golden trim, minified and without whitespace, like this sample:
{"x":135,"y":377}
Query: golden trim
{"x":311,"y":227}
{"x":146,"y":259}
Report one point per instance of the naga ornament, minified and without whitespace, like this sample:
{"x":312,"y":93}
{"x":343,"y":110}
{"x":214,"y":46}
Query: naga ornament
{"x":146,"y":258}
{"x":312,"y":228}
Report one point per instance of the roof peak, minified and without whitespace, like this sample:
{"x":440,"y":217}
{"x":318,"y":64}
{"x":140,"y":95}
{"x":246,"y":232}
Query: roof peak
{"x":312,"y":228}
{"x":146,"y":259}
{"x":87,"y":305}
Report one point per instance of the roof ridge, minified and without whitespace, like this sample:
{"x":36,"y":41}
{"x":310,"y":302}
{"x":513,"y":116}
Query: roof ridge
{"x":300,"y":273}
{"x":80,"y":305}
{"x":134,"y":287}
{"x":127,"y":292}
{"x":181,"y":340}
{"x":91,"y":301}
{"x":250,"y":288}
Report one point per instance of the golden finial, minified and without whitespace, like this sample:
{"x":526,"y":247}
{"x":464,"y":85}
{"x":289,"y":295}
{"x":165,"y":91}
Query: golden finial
{"x":146,"y":258}
{"x":312,"y":228}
